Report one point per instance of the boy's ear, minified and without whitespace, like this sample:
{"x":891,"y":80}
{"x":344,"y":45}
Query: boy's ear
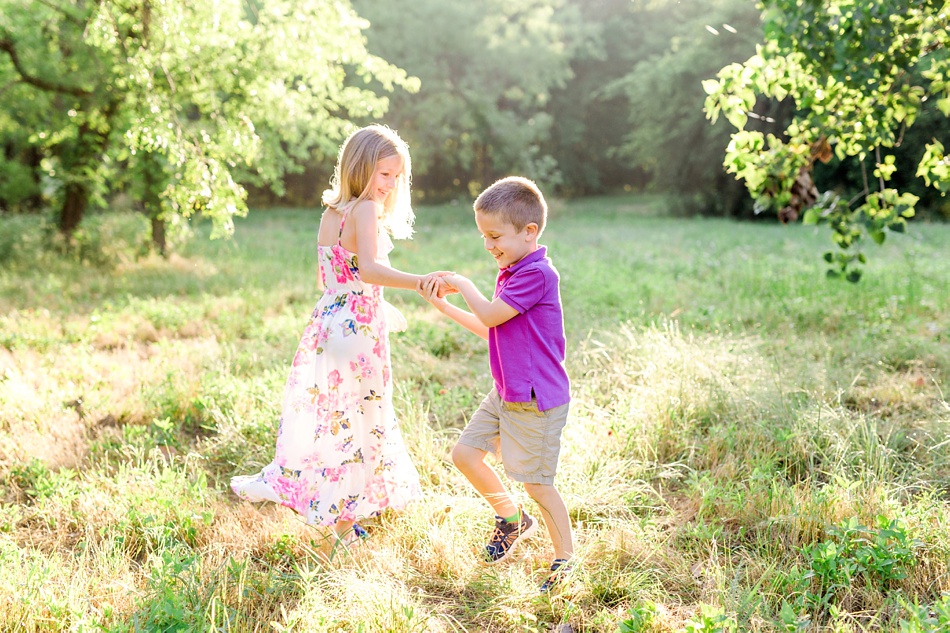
{"x":531,"y":229}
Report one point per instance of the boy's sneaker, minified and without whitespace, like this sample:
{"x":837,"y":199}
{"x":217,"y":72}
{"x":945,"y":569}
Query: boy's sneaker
{"x":560,"y":569}
{"x":507,"y":535}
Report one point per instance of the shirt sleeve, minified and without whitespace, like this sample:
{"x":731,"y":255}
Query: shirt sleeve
{"x":524,"y":289}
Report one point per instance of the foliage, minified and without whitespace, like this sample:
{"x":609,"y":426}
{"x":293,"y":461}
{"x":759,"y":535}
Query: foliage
{"x":487,"y":70}
{"x":642,"y":616}
{"x":712,"y":620}
{"x":182,"y":103}
{"x":854,"y":556}
{"x":926,"y":618}
{"x":673,"y":48}
{"x":859,"y":74}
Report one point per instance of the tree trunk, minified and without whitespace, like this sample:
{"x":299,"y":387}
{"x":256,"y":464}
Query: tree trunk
{"x":33,"y":158}
{"x":74,"y":206}
{"x":158,"y":236}
{"x":153,"y":203}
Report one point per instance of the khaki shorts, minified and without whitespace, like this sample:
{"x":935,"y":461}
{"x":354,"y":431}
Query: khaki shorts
{"x":527,"y":441}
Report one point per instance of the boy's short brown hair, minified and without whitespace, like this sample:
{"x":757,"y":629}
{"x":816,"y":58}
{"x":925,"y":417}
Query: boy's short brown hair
{"x":518,"y":199}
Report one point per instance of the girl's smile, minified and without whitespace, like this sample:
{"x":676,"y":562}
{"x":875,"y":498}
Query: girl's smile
{"x":385,"y":177}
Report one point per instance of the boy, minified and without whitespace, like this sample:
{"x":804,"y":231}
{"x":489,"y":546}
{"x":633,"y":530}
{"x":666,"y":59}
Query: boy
{"x":522,"y":417}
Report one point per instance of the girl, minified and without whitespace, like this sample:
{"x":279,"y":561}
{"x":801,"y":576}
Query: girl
{"x":340,"y":456}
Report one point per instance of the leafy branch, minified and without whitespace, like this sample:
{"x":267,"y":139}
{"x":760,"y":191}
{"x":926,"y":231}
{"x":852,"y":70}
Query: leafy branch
{"x":859,"y":75}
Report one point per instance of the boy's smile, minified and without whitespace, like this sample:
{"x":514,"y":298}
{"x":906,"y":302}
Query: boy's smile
{"x":505,"y":243}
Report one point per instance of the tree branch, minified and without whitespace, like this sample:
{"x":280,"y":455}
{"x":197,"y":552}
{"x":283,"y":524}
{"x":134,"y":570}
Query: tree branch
{"x":59,"y":9}
{"x":8,"y":47}
{"x":877,"y":156}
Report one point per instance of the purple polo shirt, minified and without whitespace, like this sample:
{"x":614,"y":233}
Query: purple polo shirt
{"x":526,"y":352}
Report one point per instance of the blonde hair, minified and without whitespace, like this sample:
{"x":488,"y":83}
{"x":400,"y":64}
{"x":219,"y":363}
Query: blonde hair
{"x":359,"y":154}
{"x":517,"y":199}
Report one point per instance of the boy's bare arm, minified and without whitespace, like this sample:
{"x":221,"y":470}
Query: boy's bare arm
{"x":489,"y":313}
{"x":429,"y":289}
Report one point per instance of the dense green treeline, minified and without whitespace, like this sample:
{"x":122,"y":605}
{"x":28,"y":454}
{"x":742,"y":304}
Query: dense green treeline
{"x":202,"y":108}
{"x":584,"y":96}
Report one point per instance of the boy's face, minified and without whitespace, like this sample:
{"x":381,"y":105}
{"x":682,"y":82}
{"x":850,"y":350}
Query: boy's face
{"x":505,"y":243}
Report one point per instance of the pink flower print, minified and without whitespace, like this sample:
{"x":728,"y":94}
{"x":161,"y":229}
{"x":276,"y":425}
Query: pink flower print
{"x":333,"y":475}
{"x":348,"y":513}
{"x":363,"y":308}
{"x":376,"y":492}
{"x":379,"y":349}
{"x":289,"y":489}
{"x":341,"y":267}
{"x":334,"y":379}
{"x":385,"y":375}
{"x":363,"y":364}
{"x":345,"y":445}
{"x":315,"y":336}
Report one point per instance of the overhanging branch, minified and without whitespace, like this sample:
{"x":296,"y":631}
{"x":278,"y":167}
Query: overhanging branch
{"x":7,"y":46}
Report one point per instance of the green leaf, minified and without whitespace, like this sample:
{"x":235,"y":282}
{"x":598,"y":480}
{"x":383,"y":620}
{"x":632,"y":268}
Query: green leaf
{"x":812,"y":216}
{"x":710,"y":86}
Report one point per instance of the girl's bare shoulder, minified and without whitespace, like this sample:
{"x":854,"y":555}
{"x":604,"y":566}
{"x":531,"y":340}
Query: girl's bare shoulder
{"x":366,"y":210}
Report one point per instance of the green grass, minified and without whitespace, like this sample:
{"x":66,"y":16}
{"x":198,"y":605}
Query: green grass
{"x":751,"y":447}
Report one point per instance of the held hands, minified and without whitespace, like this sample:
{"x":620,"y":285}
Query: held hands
{"x":435,"y":286}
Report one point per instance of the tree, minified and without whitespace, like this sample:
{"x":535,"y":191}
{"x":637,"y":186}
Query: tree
{"x":860,"y":72}
{"x":487,"y":70}
{"x":676,"y":48}
{"x":184,"y":101}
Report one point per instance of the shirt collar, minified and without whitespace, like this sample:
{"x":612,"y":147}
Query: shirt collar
{"x":537,"y":254}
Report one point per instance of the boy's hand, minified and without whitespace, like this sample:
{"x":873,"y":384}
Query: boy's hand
{"x":433,"y":289}
{"x":444,"y":287}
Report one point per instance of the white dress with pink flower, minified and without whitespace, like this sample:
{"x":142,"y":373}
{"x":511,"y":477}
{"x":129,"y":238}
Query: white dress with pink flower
{"x":340,"y":455}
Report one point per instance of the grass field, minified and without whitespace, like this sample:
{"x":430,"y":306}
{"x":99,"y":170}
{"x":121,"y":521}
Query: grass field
{"x":751,"y":447}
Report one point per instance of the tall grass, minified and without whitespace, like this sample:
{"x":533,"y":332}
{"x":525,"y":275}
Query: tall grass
{"x":751,"y":447}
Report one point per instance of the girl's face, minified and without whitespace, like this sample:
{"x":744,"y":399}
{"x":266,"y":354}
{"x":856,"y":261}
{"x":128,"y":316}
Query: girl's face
{"x":384,"y":178}
{"x":505,"y":243}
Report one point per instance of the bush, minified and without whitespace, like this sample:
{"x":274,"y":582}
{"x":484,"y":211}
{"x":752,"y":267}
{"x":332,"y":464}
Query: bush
{"x":110,"y":239}
{"x":101,"y":240}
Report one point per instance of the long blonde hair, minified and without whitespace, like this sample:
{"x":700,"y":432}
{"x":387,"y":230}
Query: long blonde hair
{"x":355,"y":166}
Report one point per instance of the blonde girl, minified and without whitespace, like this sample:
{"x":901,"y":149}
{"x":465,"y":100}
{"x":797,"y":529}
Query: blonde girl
{"x":340,"y":456}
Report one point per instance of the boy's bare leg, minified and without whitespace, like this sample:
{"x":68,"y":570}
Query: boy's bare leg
{"x":471,"y":462}
{"x":555,"y":517}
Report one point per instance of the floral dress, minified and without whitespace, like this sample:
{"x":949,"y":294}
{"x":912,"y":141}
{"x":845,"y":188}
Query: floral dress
{"x":340,"y":455}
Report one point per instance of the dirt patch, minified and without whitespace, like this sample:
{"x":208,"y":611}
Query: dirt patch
{"x":64,"y":443}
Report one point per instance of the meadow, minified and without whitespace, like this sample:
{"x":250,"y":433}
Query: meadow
{"x":752,"y":447}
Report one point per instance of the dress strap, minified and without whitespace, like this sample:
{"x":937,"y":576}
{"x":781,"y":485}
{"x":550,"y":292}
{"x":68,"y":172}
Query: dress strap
{"x":343,"y":213}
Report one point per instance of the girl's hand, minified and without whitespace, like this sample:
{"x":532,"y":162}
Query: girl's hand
{"x":429,"y":287}
{"x":445,"y":286}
